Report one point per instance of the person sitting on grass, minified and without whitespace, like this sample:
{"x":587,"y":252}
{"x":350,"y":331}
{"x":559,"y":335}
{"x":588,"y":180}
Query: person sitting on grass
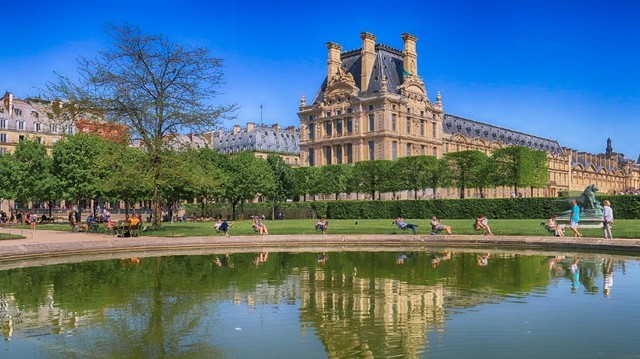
{"x":437,"y":226}
{"x":222,"y":226}
{"x":322,"y":225}
{"x":404,"y":225}
{"x":482,"y":224}
{"x":91,"y":223}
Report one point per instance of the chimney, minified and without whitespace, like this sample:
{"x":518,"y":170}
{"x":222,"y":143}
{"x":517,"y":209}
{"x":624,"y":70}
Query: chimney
{"x":368,"y":59}
{"x":220,"y":133}
{"x":276,"y":127}
{"x":333,"y":62}
{"x":8,"y":102}
{"x":409,"y":55}
{"x":250,"y":126}
{"x":236,"y":129}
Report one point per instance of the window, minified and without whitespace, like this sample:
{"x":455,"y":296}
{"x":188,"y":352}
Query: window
{"x":17,"y":111}
{"x":349,"y":110}
{"x":393,"y":122}
{"x":3,"y":151}
{"x":328,"y":128}
{"x":21,"y":138}
{"x":394,"y":150}
{"x":310,"y":117}
{"x":446,"y":148}
{"x":3,"y":137}
{"x":53,"y":128}
{"x":434,"y":151}
{"x":423,"y":150}
{"x":312,"y":132}
{"x":349,"y":125}
{"x":34,"y":114}
{"x":339,"y":112}
{"x":328,"y":113}
{"x":20,"y":125}
{"x":349,"y":151}
{"x":408,"y":125}
{"x":371,"y":123}
{"x":370,"y":107}
{"x":338,"y":151}
{"x":3,"y":123}
{"x":339,"y":127}
{"x":408,"y":149}
{"x":433,"y":130}
{"x":38,"y":127}
{"x":312,"y":154}
{"x":372,"y":148}
{"x":422,"y":128}
{"x":327,"y":155}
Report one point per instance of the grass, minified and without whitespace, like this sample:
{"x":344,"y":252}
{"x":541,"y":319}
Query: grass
{"x":517,"y":227}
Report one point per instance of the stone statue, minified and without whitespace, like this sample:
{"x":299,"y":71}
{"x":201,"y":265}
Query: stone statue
{"x":589,"y":205}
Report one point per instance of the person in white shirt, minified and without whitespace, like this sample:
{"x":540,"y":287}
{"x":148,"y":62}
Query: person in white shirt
{"x":607,"y":219}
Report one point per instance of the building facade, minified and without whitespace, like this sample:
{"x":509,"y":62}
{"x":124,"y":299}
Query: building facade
{"x":373,"y":105}
{"x":29,"y":118}
{"x":262,"y":140}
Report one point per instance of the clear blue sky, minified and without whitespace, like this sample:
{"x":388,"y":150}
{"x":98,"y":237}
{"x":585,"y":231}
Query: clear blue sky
{"x":566,"y":70}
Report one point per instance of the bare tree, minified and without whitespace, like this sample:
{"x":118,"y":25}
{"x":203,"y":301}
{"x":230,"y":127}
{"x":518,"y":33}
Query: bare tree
{"x":158,"y":88}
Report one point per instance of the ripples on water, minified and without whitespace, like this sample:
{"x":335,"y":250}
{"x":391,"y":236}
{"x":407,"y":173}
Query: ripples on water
{"x":337,"y":305}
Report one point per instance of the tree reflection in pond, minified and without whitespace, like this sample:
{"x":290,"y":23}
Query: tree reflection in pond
{"x":327,"y":304}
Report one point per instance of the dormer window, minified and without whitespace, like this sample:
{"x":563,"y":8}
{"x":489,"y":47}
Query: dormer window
{"x":38,"y":127}
{"x":20,"y":125}
{"x":34,"y":114}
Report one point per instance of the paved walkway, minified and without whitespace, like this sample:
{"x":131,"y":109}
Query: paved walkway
{"x":45,"y":243}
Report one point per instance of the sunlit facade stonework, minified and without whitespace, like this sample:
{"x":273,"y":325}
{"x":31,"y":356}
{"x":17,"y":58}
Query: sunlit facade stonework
{"x":28,"y":118}
{"x":373,"y":105}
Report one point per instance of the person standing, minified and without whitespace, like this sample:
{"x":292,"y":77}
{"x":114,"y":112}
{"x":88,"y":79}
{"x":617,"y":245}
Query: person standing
{"x":607,"y":219}
{"x":575,"y":218}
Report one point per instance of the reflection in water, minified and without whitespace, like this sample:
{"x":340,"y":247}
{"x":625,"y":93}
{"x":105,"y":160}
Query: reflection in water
{"x":357,"y":304}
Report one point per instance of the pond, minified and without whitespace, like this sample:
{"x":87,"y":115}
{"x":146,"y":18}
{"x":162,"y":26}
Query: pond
{"x":436,"y":303}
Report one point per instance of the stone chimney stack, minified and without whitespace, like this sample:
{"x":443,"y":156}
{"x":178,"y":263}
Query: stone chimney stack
{"x":250,"y":126}
{"x":220,"y":133}
{"x":409,"y":55}
{"x":368,"y":59}
{"x":276,"y":127}
{"x":236,"y":129}
{"x":8,"y":102}
{"x":333,"y":62}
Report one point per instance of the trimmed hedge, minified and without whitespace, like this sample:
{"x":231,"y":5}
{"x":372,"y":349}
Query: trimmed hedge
{"x":624,"y":207}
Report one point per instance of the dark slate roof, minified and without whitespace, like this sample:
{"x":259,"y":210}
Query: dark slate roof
{"x":388,"y":63}
{"x":260,"y":139}
{"x":474,"y":129}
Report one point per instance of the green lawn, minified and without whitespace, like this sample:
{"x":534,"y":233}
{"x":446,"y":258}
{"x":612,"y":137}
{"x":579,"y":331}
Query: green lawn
{"x":518,"y":227}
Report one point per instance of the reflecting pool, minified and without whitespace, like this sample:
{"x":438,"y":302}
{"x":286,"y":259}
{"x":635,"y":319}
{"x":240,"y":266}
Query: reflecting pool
{"x":430,"y":304}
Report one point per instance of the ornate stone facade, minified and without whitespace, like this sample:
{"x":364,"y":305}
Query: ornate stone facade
{"x":373,"y":105}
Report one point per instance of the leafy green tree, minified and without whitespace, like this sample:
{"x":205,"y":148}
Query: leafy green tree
{"x":33,"y":179}
{"x":246,"y":178}
{"x":519,"y":166}
{"x":465,"y":169}
{"x":77,"y":164}
{"x":204,"y":174}
{"x":7,"y":189}
{"x":370,"y":176}
{"x":333,"y":179}
{"x":156,"y":87}
{"x":437,"y":174}
{"x":283,"y":176}
{"x":415,"y":171}
{"x":125,"y":174}
{"x":304,"y":181}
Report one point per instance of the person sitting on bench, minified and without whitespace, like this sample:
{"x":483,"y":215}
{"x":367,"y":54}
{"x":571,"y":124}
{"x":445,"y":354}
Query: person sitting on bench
{"x":437,"y":226}
{"x":403,"y":225}
{"x":322,"y":225}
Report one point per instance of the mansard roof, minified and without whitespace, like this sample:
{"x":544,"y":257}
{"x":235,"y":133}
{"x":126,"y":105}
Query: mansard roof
{"x":388,"y":63}
{"x":474,"y":129}
{"x":259,"y":138}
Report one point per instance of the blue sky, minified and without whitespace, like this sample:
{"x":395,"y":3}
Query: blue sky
{"x":565,"y":70}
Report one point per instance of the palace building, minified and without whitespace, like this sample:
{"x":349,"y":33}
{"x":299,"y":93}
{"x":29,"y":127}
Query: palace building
{"x":373,"y":105}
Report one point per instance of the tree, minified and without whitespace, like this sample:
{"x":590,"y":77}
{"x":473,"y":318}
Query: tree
{"x":304,"y":178}
{"x":437,"y":174}
{"x":7,"y":190}
{"x":155,"y":86}
{"x":370,"y":175}
{"x":415,"y":172}
{"x":247,"y":177}
{"x":333,"y":179}
{"x":33,"y":178}
{"x":76,"y":163}
{"x":465,"y":168}
{"x":519,"y":166}
{"x":283,"y":176}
